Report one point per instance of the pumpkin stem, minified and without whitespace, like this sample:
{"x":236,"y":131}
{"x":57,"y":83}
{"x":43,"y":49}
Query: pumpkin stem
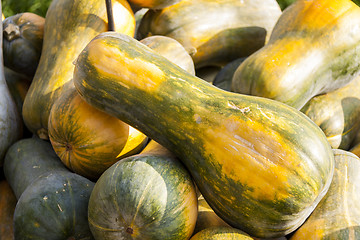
{"x":11,"y":32}
{"x":111,"y":24}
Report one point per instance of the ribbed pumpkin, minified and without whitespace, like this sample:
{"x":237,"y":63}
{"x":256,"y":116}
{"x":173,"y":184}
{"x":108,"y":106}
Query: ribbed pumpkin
{"x":147,"y":196}
{"x":313,"y":49}
{"x":69,"y":26}
{"x":10,"y":120}
{"x":23,"y":40}
{"x":26,"y":160}
{"x":338,"y":214}
{"x":261,"y":165}
{"x":226,"y":30}
{"x":54,"y":207}
{"x":7,"y":208}
{"x":87,"y":140}
{"x":221,"y":233}
{"x":337,"y":113}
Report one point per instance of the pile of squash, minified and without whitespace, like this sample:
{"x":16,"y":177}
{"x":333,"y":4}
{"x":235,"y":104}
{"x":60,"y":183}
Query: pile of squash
{"x":193,"y":119}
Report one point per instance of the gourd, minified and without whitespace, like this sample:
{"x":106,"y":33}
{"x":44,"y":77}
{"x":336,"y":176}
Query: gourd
{"x":145,"y":196}
{"x":87,"y":140}
{"x":7,"y":206}
{"x":313,"y":49}
{"x":77,"y":22}
{"x":337,"y":215}
{"x":54,"y":207}
{"x":261,"y":165}
{"x":337,"y":113}
{"x":153,"y":4}
{"x":23,"y":40}
{"x":26,"y":160}
{"x":10,"y":121}
{"x":221,"y":233}
{"x":225,"y":31}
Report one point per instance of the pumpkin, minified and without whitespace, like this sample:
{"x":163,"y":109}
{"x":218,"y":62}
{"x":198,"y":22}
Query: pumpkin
{"x":172,"y":50}
{"x":54,"y":207}
{"x":7,"y":208}
{"x":77,"y":22}
{"x":226,"y":30}
{"x":261,"y":165}
{"x":146,"y":196}
{"x":10,"y":120}
{"x":153,"y":4}
{"x":337,"y":216}
{"x":337,"y":113}
{"x":313,"y":49}
{"x":26,"y":160}
{"x":221,"y":233}
{"x":87,"y":140}
{"x":22,"y":42}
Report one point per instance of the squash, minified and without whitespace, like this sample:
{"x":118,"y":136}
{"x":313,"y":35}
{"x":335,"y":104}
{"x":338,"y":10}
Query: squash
{"x":87,"y":140}
{"x":172,"y":50}
{"x":54,"y":207}
{"x":337,"y":113}
{"x":77,"y":22}
{"x":23,"y":40}
{"x":313,"y":49}
{"x":214,"y":32}
{"x":221,"y":233}
{"x":7,"y":208}
{"x":10,"y":120}
{"x":261,"y":165}
{"x":223,"y":78}
{"x":153,"y":4}
{"x":207,"y":217}
{"x":26,"y":160}
{"x":147,"y":196}
{"x":338,"y":214}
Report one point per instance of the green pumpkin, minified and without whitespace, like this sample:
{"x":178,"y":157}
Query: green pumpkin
{"x":147,"y":196}
{"x":261,"y":165}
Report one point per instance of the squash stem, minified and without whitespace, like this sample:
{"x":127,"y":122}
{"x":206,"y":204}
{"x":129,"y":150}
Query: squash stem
{"x":111,"y":24}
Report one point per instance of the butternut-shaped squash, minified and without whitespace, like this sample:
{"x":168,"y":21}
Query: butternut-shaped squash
{"x":338,"y":214}
{"x":224,"y":31}
{"x":69,"y":26}
{"x":337,"y":113}
{"x":313,"y":49}
{"x":261,"y":165}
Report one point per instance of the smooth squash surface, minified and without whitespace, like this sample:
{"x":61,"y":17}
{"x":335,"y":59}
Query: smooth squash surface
{"x":260,"y":164}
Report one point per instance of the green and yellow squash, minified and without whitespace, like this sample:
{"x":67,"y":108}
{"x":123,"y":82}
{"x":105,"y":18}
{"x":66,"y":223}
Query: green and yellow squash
{"x":11,"y":128}
{"x":26,"y":160}
{"x":7,"y":208}
{"x":214,"y":32}
{"x":54,"y":207}
{"x":221,"y":233}
{"x":23,"y":39}
{"x":69,"y":26}
{"x":337,"y":113}
{"x":147,"y":196}
{"x":87,"y":140}
{"x":261,"y":165}
{"x":172,"y":50}
{"x":313,"y":49}
{"x":338,"y":214}
{"x":153,"y":4}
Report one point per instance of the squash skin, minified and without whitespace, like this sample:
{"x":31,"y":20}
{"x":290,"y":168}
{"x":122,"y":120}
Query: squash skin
{"x":337,"y":215}
{"x":54,"y":207}
{"x":313,"y":49}
{"x":76,"y":24}
{"x":11,"y":128}
{"x":26,"y":160}
{"x":87,"y":140}
{"x":225,"y":31}
{"x":221,"y":233}
{"x":147,"y":196}
{"x":153,"y":4}
{"x":23,"y":40}
{"x":337,"y":113}
{"x":7,"y":206}
{"x":225,"y":139}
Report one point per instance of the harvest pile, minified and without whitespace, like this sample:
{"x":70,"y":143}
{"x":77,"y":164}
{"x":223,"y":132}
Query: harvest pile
{"x":193,"y":119}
